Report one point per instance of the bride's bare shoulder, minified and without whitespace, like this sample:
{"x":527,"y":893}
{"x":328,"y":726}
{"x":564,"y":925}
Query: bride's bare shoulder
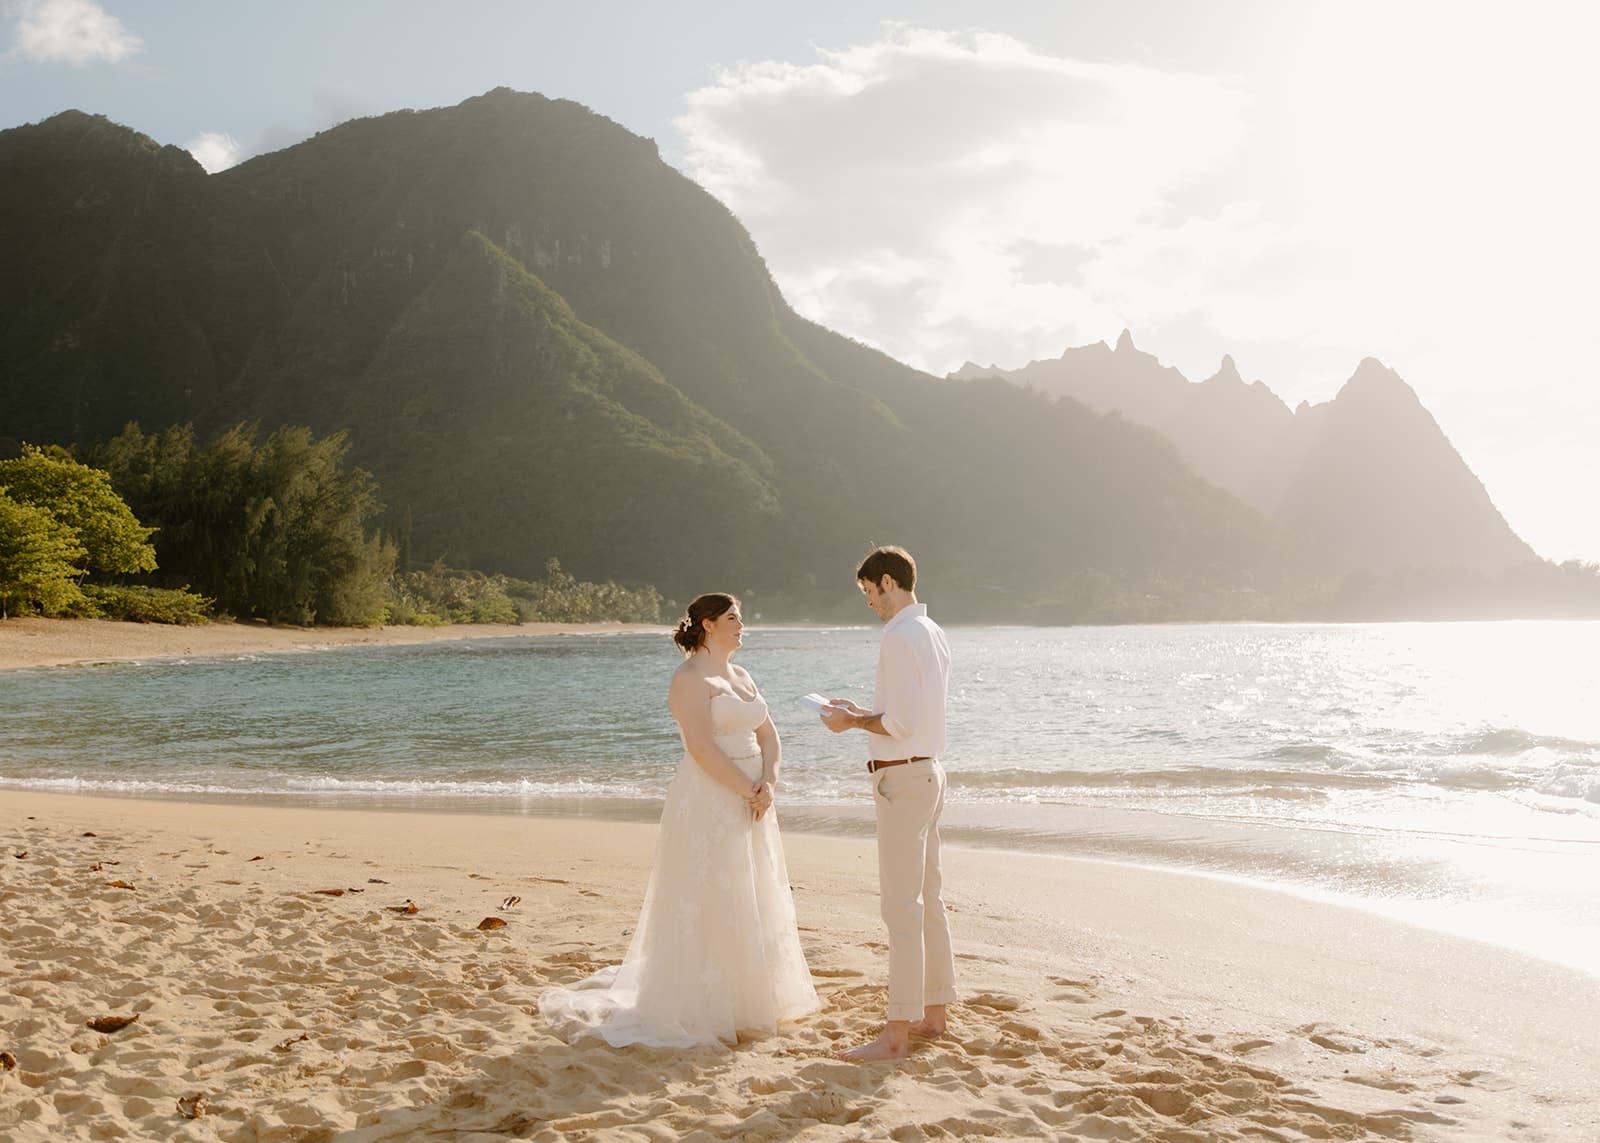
{"x":689,"y":674}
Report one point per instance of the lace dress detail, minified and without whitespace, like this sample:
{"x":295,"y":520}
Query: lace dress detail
{"x":716,"y":951}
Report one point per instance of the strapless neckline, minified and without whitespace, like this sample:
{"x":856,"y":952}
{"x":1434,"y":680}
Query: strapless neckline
{"x":735,"y":715}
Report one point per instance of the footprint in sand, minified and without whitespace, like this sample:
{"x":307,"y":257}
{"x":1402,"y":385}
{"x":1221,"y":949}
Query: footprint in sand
{"x":1338,"y":1042}
{"x":993,"y":1002}
{"x":1022,"y":1031}
{"x":833,"y":1075}
{"x":981,"y":957}
{"x":1485,"y":1081}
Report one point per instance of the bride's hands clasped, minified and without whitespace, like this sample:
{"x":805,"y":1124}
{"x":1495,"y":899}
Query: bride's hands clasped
{"x":760,"y":799}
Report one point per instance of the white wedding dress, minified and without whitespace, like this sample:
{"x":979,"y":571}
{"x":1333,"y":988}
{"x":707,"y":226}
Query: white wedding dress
{"x":716,"y":951}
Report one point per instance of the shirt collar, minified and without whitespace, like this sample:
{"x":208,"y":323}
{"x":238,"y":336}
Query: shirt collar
{"x":907,"y":613}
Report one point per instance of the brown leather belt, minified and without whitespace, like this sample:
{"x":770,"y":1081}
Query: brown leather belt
{"x":878,"y":763}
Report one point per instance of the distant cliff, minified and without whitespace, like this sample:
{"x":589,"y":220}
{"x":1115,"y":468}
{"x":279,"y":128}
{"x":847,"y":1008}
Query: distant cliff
{"x":1364,"y":482}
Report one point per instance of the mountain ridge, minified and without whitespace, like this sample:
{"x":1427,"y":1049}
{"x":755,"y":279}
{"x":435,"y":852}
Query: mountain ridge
{"x":546,"y":343}
{"x":1367,"y":481}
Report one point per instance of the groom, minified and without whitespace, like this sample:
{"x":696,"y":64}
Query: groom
{"x":905,"y":736}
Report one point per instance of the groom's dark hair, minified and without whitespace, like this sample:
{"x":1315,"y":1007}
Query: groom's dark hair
{"x":892,"y":561}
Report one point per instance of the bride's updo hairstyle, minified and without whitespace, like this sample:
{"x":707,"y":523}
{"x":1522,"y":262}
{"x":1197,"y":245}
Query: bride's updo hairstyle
{"x":690,"y":635}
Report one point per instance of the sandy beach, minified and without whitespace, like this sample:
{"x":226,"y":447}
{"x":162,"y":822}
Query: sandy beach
{"x":263,"y":951}
{"x":57,"y":642}
{"x":276,"y":969}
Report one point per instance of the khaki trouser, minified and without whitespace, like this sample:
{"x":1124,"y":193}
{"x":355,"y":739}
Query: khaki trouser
{"x":922,"y":970}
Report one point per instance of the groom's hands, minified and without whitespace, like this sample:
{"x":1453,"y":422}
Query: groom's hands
{"x":841,"y":714}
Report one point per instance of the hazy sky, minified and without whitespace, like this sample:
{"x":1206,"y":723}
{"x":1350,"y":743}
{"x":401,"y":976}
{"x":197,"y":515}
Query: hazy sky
{"x":1298,"y":184}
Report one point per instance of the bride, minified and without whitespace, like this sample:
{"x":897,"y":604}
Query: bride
{"x":716,"y":951}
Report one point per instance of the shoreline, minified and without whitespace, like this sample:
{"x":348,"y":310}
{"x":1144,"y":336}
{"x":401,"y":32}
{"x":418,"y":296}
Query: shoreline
{"x":1097,"y":1000}
{"x":32,"y":642}
{"x":1464,"y":918}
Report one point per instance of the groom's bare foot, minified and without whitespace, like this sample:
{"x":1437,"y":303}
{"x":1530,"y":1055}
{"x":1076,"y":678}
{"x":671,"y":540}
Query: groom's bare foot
{"x":932,"y":1025}
{"x":893,"y":1043}
{"x":882,"y":1048}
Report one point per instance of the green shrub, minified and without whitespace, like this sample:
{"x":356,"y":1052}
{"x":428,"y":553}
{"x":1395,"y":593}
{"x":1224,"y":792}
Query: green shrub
{"x":137,"y":604}
{"x":449,"y":595}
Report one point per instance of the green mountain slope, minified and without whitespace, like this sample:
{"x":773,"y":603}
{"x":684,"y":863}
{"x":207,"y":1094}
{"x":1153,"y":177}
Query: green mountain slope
{"x":543,"y":341}
{"x":575,"y":443}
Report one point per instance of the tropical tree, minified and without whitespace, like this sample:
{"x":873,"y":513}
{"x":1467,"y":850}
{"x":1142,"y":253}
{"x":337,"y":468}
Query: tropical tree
{"x":275,"y":530}
{"x":83,"y":501}
{"x":39,"y":558}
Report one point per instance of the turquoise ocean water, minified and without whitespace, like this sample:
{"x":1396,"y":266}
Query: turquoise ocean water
{"x":1447,"y":774}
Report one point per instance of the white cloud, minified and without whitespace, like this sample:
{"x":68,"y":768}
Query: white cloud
{"x":215,"y":151}
{"x":71,"y":31}
{"x":901,"y":190}
{"x":948,"y":195}
{"x":1401,"y":181}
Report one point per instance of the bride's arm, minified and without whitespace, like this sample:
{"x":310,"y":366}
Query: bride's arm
{"x":767,"y":738}
{"x":689,"y":699}
{"x":771,"y":752}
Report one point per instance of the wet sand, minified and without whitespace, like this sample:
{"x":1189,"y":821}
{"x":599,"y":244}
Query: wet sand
{"x":56,"y":642}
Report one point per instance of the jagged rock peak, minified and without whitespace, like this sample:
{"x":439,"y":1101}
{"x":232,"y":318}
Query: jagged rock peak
{"x":1227,"y":371}
{"x":1125,"y":342}
{"x":1373,"y":380}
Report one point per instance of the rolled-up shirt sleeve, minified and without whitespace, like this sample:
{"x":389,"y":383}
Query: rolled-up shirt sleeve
{"x":899,"y":688}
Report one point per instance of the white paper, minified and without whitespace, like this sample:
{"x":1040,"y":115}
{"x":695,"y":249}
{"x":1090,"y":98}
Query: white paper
{"x":814,"y":702}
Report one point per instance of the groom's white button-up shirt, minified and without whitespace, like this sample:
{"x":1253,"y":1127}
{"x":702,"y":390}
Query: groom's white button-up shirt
{"x":913,"y":683}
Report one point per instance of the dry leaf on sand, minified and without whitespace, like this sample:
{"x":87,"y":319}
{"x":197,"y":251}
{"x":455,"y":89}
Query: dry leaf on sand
{"x":111,"y":1023}
{"x":285,"y":1045}
{"x":118,"y":884}
{"x":491,"y":923}
{"x":330,"y":892}
{"x":8,"y":1062}
{"x":409,"y":907}
{"x":192,"y":1106}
